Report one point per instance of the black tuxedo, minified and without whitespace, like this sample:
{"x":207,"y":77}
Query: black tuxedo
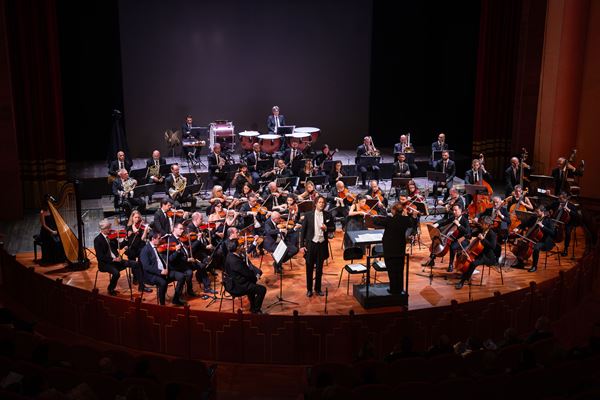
{"x":394,"y":247}
{"x":126,"y":201}
{"x":450,"y":170}
{"x":402,"y":170}
{"x":470,"y":177}
{"x":161,"y":222}
{"x":114,"y":167}
{"x":152,"y":273}
{"x":150,"y":162}
{"x":436,"y":146}
{"x":170,"y":183}
{"x":487,"y":257}
{"x":316,"y":253}
{"x":547,"y":241}
{"x":105,"y":259}
{"x":287,"y":157}
{"x":241,"y":281}
{"x":252,"y":162}
{"x":217,"y":175}
{"x":271,"y":122}
{"x":361,"y":151}
{"x":511,"y":179}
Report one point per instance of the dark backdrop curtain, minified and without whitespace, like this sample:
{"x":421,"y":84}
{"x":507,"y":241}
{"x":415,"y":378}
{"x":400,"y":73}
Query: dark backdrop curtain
{"x":35,"y":68}
{"x":507,"y":85}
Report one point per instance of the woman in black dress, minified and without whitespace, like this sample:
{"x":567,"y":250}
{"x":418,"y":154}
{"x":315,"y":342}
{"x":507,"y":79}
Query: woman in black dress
{"x":356,"y":218}
{"x":52,"y":249}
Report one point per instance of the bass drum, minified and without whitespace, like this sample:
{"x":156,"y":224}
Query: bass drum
{"x":269,"y":143}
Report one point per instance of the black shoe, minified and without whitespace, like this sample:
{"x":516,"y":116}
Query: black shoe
{"x":319,"y":293}
{"x":450,"y":268}
{"x":564,"y":253}
{"x":210,"y":291}
{"x":309,"y":293}
{"x":177,"y":302}
{"x":145,"y":290}
{"x":113,"y":292}
{"x":135,"y":281}
{"x":459,"y":285}
{"x":532,"y":269}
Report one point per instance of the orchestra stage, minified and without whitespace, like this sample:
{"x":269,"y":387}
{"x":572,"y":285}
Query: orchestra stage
{"x":340,"y":300}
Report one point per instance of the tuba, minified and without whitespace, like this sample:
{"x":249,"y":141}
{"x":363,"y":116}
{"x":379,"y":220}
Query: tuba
{"x":179,"y":185}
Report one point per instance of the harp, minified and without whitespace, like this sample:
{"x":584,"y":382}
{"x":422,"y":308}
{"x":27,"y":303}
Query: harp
{"x":67,"y":215}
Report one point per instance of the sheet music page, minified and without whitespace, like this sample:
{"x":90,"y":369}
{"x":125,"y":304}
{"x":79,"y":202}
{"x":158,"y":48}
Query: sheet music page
{"x":279,"y":251}
{"x":369,"y":237}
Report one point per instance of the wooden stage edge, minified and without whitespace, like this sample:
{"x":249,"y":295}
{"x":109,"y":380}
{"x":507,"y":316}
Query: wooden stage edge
{"x":441,"y":292}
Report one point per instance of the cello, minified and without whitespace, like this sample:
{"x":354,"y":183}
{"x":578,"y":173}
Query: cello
{"x":523,"y":246}
{"x":480,"y":201}
{"x":563,"y":217}
{"x":442,"y":239}
{"x":468,"y":255}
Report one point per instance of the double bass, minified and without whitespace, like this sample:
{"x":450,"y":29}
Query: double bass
{"x":518,"y":206}
{"x":481,"y":202}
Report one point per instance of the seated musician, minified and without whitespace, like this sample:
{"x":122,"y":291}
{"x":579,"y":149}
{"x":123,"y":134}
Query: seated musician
{"x":307,"y":171}
{"x":216,"y":165}
{"x":201,"y":247}
{"x":512,"y":174}
{"x":454,"y":198}
{"x":241,"y":277}
{"x":241,"y":178}
{"x":291,"y":154}
{"x":231,"y":220}
{"x":475,"y":175}
{"x":52,"y":248}
{"x":518,"y":197}
{"x":336,"y":173}
{"x":122,"y":190}
{"x":374,"y":192}
{"x":413,"y":195}
{"x":108,"y":256}
{"x":324,"y":155}
{"x":156,"y":271}
{"x":234,"y":236}
{"x":542,"y":221}
{"x":218,"y":196}
{"x":401,"y":168}
{"x":290,"y":218}
{"x":559,"y":208}
{"x":408,"y":207}
{"x":310,"y":193}
{"x":120,"y":163}
{"x":464,"y":233}
{"x":175,"y":184}
{"x":252,"y":160}
{"x":355,"y":221}
{"x":448,"y":167}
{"x":499,"y":214}
{"x":165,"y":218}
{"x":438,"y":145}
{"x":273,"y":196}
{"x":282,"y":170}
{"x":273,"y":235}
{"x":488,"y":256}
{"x":153,"y":169}
{"x":562,"y":173}
{"x":137,"y":235}
{"x":340,"y":200}
{"x":402,"y":145}
{"x":254,"y":213}
{"x":183,"y":261}
{"x":367,"y":149}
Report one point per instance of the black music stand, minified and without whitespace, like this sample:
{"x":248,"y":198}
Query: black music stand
{"x":368,"y":161}
{"x":138,"y":174}
{"x":541,"y":184}
{"x":318,"y":180}
{"x":280,"y":299}
{"x":305,"y":206}
{"x":297,"y":165}
{"x":263,"y":165}
{"x":399,"y":183}
{"x":524,"y":215}
{"x":192,"y":190}
{"x":285,"y":130}
{"x":288,"y":181}
{"x":475,"y":189}
{"x":144,"y":190}
{"x":328,"y":165}
{"x":349,"y":180}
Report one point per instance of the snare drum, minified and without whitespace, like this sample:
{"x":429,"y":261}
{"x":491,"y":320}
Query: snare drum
{"x":313,"y":132}
{"x":302,"y":138}
{"x":269,"y":143}
{"x":247,"y":139}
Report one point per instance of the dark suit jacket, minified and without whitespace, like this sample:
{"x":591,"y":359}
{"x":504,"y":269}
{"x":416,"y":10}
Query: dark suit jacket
{"x":549,"y":230}
{"x":489,"y":245}
{"x":503,"y":211}
{"x":213,"y":166}
{"x":150,"y":162}
{"x":103,"y":251}
{"x":470,"y":178}
{"x":286,"y":173}
{"x":271,"y":122}
{"x":240,"y":277}
{"x":161,"y":222}
{"x":150,"y":262}
{"x":271,"y":235}
{"x":398,"y":148}
{"x":435,"y":146}
{"x":401,"y":171}
{"x":113,"y":169}
{"x":308,"y":229}
{"x":558,"y":182}
{"x":361,"y":150}
{"x":251,"y":160}
{"x":464,"y":228}
{"x":394,"y":235}
{"x":510,"y":179}
{"x":185,"y":131}
{"x":450,"y":170}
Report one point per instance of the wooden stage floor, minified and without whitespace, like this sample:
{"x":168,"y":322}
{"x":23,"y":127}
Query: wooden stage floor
{"x":421,"y":294}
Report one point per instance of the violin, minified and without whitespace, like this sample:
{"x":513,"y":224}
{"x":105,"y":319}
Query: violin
{"x":259,"y":209}
{"x":175,"y":213}
{"x":378,"y":195}
{"x":189,"y":237}
{"x":165,"y":246}
{"x":209,"y":225}
{"x":367,"y":209}
{"x":140,"y":225}
{"x":249,"y":240}
{"x":346,"y":195}
{"x":117,"y":234}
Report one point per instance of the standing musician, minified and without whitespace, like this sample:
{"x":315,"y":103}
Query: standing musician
{"x":336,"y":173}
{"x":153,"y":169}
{"x":273,"y":235}
{"x":512,"y":174}
{"x":448,"y":167}
{"x":175,"y":184}
{"x":438,"y":145}
{"x":216,"y":164}
{"x":120,"y":163}
{"x":109,"y":259}
{"x":559,"y":208}
{"x":156,"y":271}
{"x":122,"y":190}
{"x":546,"y":243}
{"x":275,"y":120}
{"x":367,"y":149}
{"x":476,"y":175}
{"x":315,"y":243}
{"x":561,"y":173}
{"x":394,"y":243}
{"x":252,"y":160}
{"x":241,"y":277}
{"x":461,"y":221}
{"x":137,"y":234}
{"x":242,"y":176}
{"x":310,"y":193}
{"x":165,"y":218}
{"x":340,"y":199}
{"x":374,"y":192}
{"x":324,"y":155}
{"x":488,"y":256}
{"x":402,"y":146}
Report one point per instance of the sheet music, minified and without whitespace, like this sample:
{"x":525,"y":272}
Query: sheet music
{"x":369,"y":237}
{"x":279,"y":251}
